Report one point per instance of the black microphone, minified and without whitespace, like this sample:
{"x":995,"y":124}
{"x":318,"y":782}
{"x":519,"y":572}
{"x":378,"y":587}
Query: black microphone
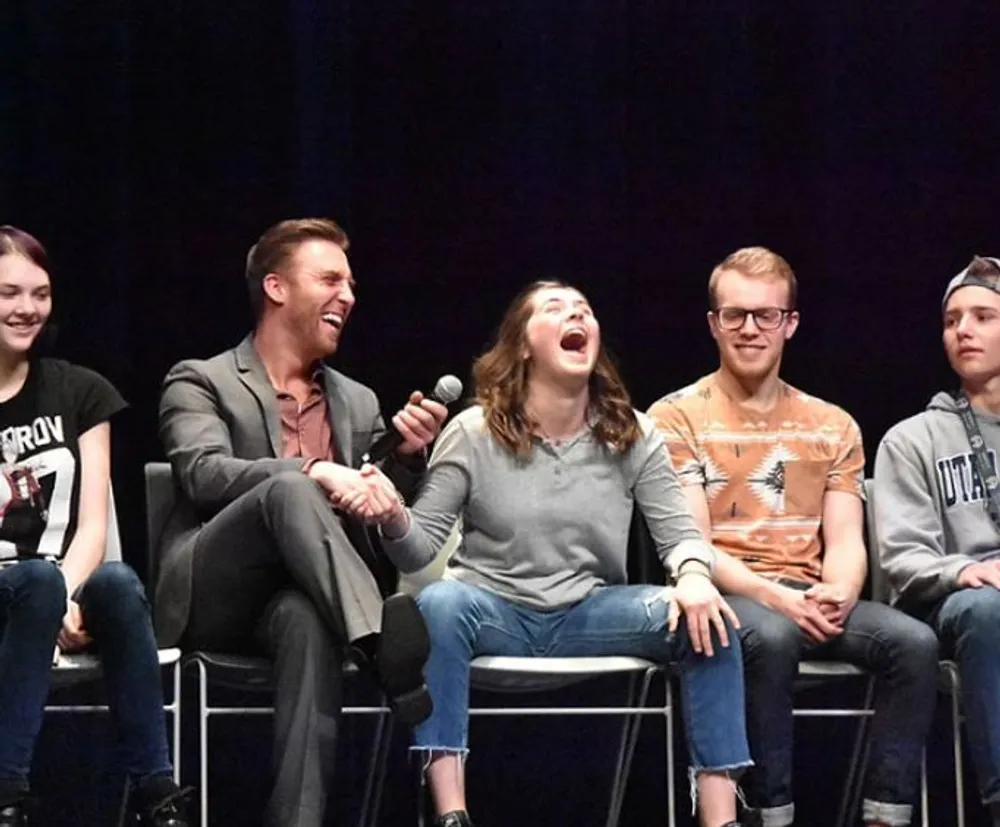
{"x":446,"y":391}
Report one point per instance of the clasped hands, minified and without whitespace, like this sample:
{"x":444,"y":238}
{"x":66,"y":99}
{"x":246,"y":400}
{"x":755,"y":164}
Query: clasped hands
{"x":820,"y":611}
{"x":366,"y":493}
{"x":72,"y":635}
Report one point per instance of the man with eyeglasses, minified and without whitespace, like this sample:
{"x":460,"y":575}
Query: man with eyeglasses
{"x":774,"y":479}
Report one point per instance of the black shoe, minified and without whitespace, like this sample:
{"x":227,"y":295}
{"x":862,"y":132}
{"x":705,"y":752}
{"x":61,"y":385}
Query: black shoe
{"x":156,"y":802}
{"x":14,"y":815}
{"x":400,"y":655}
{"x":455,"y":818}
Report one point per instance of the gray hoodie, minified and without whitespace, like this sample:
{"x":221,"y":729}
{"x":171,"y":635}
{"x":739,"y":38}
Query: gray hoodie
{"x":930,"y":502}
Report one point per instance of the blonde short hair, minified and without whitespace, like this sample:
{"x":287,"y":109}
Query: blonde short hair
{"x":755,"y":263}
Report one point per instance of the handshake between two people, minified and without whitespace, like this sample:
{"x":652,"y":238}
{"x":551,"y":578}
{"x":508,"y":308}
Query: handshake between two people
{"x":366,"y":493}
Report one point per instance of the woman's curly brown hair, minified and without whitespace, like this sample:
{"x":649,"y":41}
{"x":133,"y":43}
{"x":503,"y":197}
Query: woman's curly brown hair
{"x":501,"y":386}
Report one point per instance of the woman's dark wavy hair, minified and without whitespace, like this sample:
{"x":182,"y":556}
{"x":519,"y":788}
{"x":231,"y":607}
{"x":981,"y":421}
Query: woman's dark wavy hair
{"x":501,"y":386}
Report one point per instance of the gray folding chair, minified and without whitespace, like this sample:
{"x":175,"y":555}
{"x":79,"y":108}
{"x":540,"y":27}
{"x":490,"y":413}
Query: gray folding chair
{"x":248,"y":673}
{"x":819,"y":672}
{"x":528,"y":674}
{"x":85,"y":667}
{"x":948,"y":678}
{"x":497,"y":675}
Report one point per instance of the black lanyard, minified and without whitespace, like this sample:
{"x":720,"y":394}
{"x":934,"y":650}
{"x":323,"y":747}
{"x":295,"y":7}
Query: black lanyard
{"x":986,"y":472}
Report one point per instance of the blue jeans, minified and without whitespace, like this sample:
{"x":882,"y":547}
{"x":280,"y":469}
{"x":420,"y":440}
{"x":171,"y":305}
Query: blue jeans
{"x":903,"y":655}
{"x":116,"y":615}
{"x":32,"y":605}
{"x":968,"y":624}
{"x":465,"y":621}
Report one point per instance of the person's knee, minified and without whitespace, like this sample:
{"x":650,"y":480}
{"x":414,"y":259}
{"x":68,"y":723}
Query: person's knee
{"x":114,"y":589}
{"x":918,"y":649}
{"x":289,"y":485}
{"x":43,"y":591}
{"x":772,"y":642}
{"x":444,"y":604}
{"x":978,"y":608}
{"x":976,"y":617}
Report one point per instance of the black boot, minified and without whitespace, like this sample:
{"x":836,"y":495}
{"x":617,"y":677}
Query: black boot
{"x":456,"y":818}
{"x":400,"y":654}
{"x":155,"y":801}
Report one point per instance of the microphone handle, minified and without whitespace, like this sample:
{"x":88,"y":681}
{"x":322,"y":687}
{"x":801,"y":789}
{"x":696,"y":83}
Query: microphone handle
{"x":392,"y":438}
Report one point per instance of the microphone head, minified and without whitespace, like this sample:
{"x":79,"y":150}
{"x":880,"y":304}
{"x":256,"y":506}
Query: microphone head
{"x":448,"y":389}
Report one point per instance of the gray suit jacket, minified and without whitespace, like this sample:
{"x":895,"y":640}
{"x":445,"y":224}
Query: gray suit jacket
{"x":220,"y":428}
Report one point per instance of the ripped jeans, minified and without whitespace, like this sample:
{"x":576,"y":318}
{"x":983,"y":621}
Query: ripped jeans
{"x":466,"y":621}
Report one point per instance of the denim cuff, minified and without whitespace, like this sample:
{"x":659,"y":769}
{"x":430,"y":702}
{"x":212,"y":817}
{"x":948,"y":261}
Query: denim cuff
{"x":894,"y":815}
{"x":782,"y":816}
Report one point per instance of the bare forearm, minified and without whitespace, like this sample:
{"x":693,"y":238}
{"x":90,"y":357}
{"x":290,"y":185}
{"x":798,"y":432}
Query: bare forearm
{"x":84,"y":555}
{"x":847,"y":566}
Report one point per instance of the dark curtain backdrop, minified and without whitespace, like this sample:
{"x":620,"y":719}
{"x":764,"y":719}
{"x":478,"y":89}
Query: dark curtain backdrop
{"x":469,"y":147}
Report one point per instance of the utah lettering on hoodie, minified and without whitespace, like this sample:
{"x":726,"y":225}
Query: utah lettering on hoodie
{"x":931,"y":516}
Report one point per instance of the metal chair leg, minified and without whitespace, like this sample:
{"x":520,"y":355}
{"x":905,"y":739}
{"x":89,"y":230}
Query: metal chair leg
{"x":175,"y":712}
{"x":924,"y":797}
{"x":421,"y":794}
{"x":668,"y":714}
{"x":372,"y":802}
{"x":203,"y":740}
{"x":854,"y":783}
{"x":630,"y":735}
{"x":955,"y":689}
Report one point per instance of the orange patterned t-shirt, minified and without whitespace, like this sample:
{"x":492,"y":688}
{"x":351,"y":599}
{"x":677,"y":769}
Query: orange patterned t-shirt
{"x":764,"y":475}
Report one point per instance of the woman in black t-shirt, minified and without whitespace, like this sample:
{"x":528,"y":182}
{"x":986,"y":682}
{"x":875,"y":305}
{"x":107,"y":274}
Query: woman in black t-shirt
{"x":57,"y":594}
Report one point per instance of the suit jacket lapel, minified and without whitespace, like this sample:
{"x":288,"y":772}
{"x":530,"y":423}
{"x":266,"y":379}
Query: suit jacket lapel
{"x":254,"y":376}
{"x":340,"y":416}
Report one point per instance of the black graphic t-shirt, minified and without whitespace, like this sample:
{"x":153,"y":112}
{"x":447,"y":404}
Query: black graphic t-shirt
{"x":40,"y":429}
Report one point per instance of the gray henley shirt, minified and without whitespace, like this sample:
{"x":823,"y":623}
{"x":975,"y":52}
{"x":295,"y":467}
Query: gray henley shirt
{"x":547,"y":530}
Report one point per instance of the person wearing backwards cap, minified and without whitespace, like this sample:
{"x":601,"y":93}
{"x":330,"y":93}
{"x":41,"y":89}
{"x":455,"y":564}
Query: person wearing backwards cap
{"x":937,"y":511}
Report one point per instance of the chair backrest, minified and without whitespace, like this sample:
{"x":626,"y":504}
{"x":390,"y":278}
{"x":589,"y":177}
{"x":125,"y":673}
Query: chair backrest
{"x":643,"y":563}
{"x":876,"y":575}
{"x":160,"y":498}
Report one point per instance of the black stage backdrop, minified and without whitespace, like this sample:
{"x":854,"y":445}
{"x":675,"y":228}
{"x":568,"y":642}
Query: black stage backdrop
{"x":471,"y":147}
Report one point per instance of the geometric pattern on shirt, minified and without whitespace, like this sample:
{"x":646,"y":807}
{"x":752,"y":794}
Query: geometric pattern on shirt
{"x":763,"y":530}
{"x":767,"y":480}
{"x":715,"y":478}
